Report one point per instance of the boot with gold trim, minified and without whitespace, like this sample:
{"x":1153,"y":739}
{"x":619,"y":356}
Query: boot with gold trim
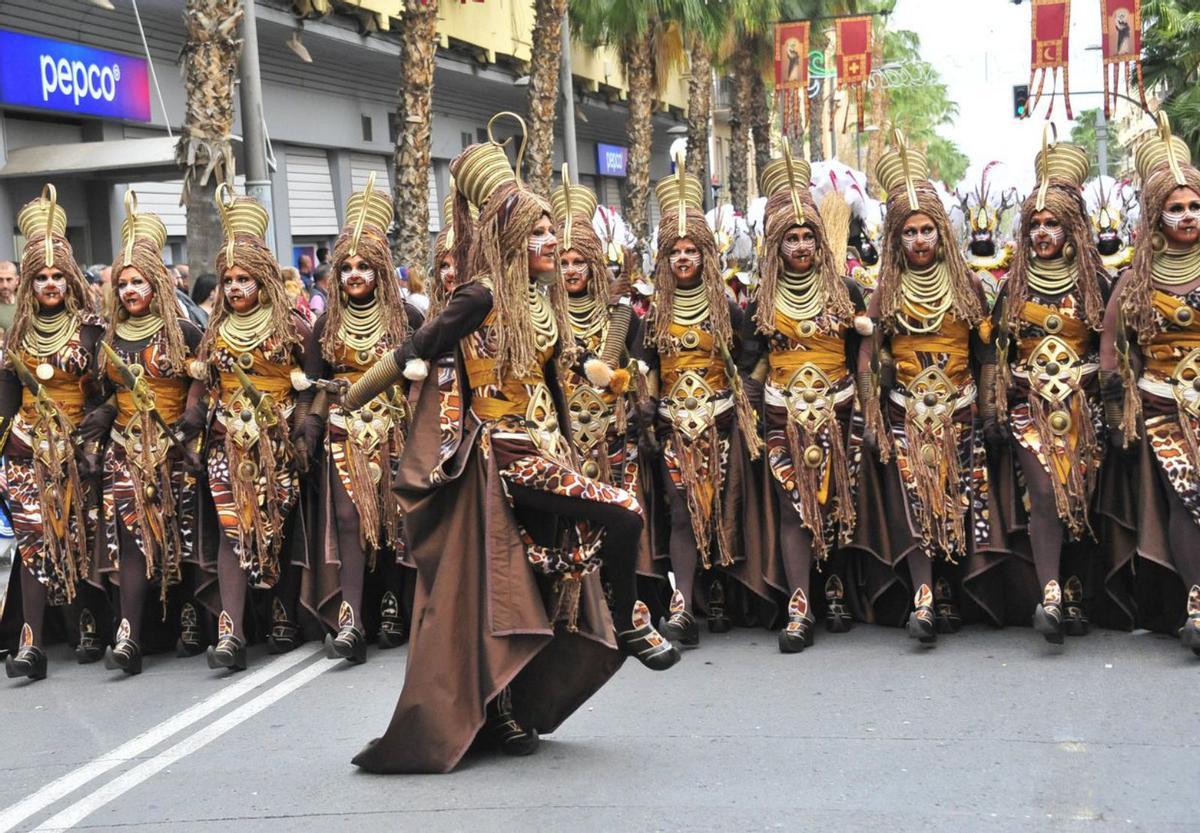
{"x":1189,"y":634}
{"x":680,"y":625}
{"x":126,"y":655}
{"x":1048,"y":617}
{"x":190,"y":642}
{"x":797,"y":634}
{"x":393,"y":631}
{"x":644,"y":643}
{"x":230,"y":650}
{"x":921,"y":625}
{"x":350,"y":643}
{"x":90,"y":648}
{"x":285,"y":634}
{"x":1075,"y":620}
{"x":837,"y":616}
{"x":506,"y":733}
{"x":29,"y":661}
{"x":946,"y":617}
{"x":718,"y":620}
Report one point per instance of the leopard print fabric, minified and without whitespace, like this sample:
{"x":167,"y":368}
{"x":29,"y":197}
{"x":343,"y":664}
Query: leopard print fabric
{"x":29,"y":529}
{"x":1165,"y":435}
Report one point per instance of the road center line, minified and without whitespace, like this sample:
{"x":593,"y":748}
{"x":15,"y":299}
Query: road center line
{"x":59,"y":788}
{"x":147,"y":769}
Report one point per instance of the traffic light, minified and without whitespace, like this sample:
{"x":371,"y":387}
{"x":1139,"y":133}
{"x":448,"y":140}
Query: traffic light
{"x":1020,"y":101}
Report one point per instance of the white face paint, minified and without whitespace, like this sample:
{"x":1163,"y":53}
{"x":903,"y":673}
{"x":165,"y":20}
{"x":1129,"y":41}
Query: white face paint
{"x":910,"y":238}
{"x":682,"y":260}
{"x":793,"y":246}
{"x":575,"y":270}
{"x":1174,"y":219}
{"x":347,"y":274}
{"x":42,"y":282}
{"x":1039,"y":233}
{"x":243,"y":285}
{"x":542,"y":244}
{"x":134,"y":290}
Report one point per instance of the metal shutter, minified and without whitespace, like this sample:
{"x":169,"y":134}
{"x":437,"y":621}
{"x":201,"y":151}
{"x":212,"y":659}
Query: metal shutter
{"x":162,"y":198}
{"x":435,"y":207}
{"x":310,"y":193}
{"x":361,"y":165}
{"x":611,"y":195}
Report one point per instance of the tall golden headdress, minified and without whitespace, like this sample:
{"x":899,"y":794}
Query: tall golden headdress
{"x":240,"y":215}
{"x":368,"y":208}
{"x":1160,"y":148}
{"x":571,"y":203}
{"x":902,"y":166}
{"x":680,"y":191}
{"x":1058,"y":162}
{"x":786,"y":174}
{"x":137,"y":226}
{"x":481,"y":169}
{"x":44,"y":216}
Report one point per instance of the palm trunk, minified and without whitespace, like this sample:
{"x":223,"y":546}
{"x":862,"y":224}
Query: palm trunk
{"x":879,"y":116}
{"x":544,"y":92}
{"x":739,"y":126}
{"x":639,"y":74}
{"x":205,"y":151}
{"x":760,"y":120}
{"x":816,"y":127}
{"x":699,"y":110}
{"x":414,"y":141}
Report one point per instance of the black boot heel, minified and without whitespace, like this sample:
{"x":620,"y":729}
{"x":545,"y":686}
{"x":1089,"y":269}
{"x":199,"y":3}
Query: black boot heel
{"x":285,"y":635}
{"x":680,"y":626}
{"x":1075,"y":620}
{"x":229,"y":652}
{"x":393,"y":632}
{"x":126,"y":656}
{"x":505,"y":732}
{"x":29,"y":661}
{"x":646,"y":644}
{"x":718,"y":621}
{"x":921,"y":625}
{"x":946,"y":617}
{"x":190,"y":644}
{"x":797,"y":634}
{"x":837,"y":617}
{"x":1048,"y":616}
{"x":349,"y":644}
{"x":89,"y":649}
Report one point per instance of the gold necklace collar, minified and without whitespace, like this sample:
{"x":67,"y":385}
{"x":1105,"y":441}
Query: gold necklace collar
{"x":1172,"y":268}
{"x":690,"y":305}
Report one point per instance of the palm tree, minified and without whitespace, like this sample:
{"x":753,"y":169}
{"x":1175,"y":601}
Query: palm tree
{"x":205,"y":150}
{"x":648,"y":45}
{"x":544,"y":68}
{"x":747,"y":48}
{"x":702,"y":26}
{"x":414,"y":137}
{"x":1172,"y":58}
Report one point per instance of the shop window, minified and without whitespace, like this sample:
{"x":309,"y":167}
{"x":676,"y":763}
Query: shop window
{"x":368,"y":129}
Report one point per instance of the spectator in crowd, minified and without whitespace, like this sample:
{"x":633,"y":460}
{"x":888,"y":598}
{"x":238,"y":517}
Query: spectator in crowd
{"x":320,"y":289}
{"x":204,"y":295}
{"x":322,"y":255}
{"x":8,"y":291}
{"x":185,"y":276}
{"x":306,"y":271}
{"x":413,"y":291}
{"x":294,"y":287}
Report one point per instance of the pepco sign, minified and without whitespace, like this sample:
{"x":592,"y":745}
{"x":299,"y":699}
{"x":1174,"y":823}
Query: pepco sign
{"x":71,"y":78}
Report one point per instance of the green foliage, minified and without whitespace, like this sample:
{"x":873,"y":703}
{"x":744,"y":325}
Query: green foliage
{"x":1171,"y":52}
{"x":1083,"y":133}
{"x":946,"y":162}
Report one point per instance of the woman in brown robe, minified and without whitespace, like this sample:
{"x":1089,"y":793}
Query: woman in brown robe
{"x":149,"y":496}
{"x":1150,"y":360}
{"x":917,"y":385}
{"x":707,"y":429}
{"x":1046,"y":397}
{"x":511,"y":633}
{"x":54,"y":339}
{"x":362,"y":533}
{"x":252,"y":358}
{"x":800,"y":349}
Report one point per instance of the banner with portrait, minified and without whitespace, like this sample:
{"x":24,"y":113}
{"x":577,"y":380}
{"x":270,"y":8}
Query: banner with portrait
{"x":791,"y":75}
{"x":1121,"y":43}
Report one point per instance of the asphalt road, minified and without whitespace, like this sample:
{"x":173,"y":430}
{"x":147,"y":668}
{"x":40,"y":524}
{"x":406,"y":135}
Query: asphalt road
{"x":990,"y":731}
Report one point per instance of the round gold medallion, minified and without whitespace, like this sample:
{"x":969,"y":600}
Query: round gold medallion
{"x":930,"y":400}
{"x":813,"y":456}
{"x":691,"y":339}
{"x":1060,"y":422}
{"x":1053,"y":324}
{"x":929,"y":455}
{"x":691,"y":403}
{"x":150,"y":492}
{"x":1052,"y":369}
{"x":807,"y":328}
{"x":375,"y":471}
{"x":810,"y":396}
{"x":247,"y":470}
{"x":245,"y":361}
{"x":1183,"y":316}
{"x":585,"y":418}
{"x":363,"y":356}
{"x":45,"y":372}
{"x":137,"y":371}
{"x":590,"y":469}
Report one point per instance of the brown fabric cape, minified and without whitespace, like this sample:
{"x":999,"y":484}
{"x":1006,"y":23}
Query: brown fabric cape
{"x":479,"y":621}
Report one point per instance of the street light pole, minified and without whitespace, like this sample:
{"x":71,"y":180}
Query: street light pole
{"x":570,"y":151}
{"x":254,"y":139}
{"x":1102,"y":142}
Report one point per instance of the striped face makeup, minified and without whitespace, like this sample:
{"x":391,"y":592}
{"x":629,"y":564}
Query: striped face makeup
{"x":134,"y":291}
{"x":1046,"y":235}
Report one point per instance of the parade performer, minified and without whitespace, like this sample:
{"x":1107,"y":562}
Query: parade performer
{"x":252,"y":358}
{"x":1046,"y":394}
{"x":707,"y":427}
{"x":1108,"y":221}
{"x":49,"y":382}
{"x":1150,"y":362}
{"x":603,"y":421}
{"x":986,"y":256}
{"x":933,"y":336}
{"x":362,"y":530}
{"x":511,"y":632}
{"x":800,"y":340}
{"x":157,"y":413}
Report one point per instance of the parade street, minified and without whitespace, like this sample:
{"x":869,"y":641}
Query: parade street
{"x":989,"y":731}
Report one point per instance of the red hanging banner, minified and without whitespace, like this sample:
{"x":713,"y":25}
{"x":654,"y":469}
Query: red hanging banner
{"x":854,"y":62}
{"x":1121,"y":41}
{"x":1051,"y":31}
{"x":791,"y":75}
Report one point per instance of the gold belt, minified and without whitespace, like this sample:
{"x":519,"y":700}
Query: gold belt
{"x":590,"y":417}
{"x":1055,"y":371}
{"x":691,"y":406}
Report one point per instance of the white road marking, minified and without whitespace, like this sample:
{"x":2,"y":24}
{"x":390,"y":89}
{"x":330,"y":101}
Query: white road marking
{"x":125,"y":782}
{"x":60,"y":788}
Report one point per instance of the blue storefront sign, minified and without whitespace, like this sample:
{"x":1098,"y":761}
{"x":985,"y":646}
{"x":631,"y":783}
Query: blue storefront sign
{"x":66,"y":77}
{"x":611,"y":159}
